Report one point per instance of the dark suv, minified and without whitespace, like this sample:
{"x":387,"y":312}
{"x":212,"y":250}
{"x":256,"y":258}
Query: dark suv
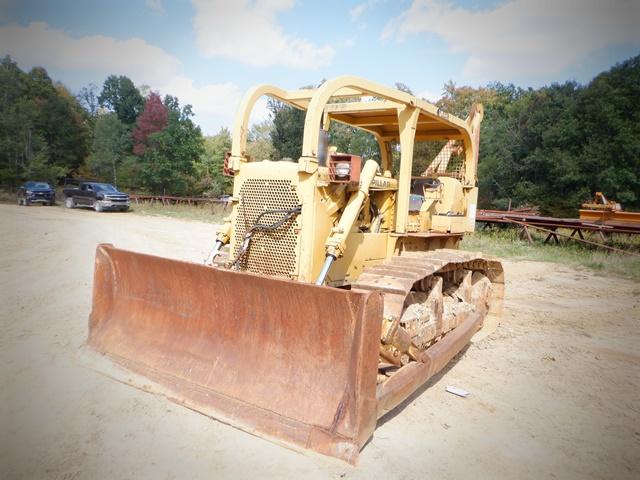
{"x":36,"y":192}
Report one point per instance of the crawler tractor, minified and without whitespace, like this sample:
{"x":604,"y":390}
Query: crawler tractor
{"x":335,"y":288}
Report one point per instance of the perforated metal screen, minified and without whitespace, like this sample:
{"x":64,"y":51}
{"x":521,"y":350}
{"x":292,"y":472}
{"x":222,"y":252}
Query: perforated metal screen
{"x":272,"y":253}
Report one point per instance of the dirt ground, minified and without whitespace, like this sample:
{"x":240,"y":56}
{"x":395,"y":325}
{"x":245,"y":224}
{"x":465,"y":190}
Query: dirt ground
{"x":555,"y":391}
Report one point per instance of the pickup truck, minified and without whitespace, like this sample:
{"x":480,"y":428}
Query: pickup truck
{"x":99,"y":196}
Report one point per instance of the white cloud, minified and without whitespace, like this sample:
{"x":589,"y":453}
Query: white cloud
{"x":98,"y":56}
{"x":356,"y":12}
{"x":248,"y":31}
{"x":522,"y":38}
{"x":155,"y":5}
{"x":260,"y":111}
{"x":214,"y":105}
{"x":430,"y":96}
{"x":348,"y":43}
{"x":39,"y":44}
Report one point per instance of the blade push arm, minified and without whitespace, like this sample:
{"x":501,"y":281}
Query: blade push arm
{"x":336,"y":243}
{"x":222,"y":237}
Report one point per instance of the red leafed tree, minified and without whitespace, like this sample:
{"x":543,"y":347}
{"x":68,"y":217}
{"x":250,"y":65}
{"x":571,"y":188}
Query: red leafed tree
{"x":152,"y":119}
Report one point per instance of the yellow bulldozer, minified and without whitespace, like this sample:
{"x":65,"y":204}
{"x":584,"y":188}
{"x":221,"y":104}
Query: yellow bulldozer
{"x":335,"y":288}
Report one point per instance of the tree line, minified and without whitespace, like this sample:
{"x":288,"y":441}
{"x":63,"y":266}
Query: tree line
{"x":556,"y":146}
{"x":552,"y":147}
{"x":115,"y":134}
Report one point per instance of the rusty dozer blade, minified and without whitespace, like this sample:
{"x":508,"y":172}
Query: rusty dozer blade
{"x":288,"y":361}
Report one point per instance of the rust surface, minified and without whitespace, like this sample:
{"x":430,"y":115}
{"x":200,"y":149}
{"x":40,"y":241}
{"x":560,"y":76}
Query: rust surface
{"x":410,"y":377}
{"x":613,"y":218}
{"x":397,"y":275}
{"x":292,"y":362}
{"x":281,"y":359}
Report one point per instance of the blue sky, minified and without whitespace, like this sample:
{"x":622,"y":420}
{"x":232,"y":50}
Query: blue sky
{"x":209,"y":52}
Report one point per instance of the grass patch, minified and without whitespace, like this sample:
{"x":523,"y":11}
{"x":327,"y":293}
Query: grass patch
{"x":8,"y":197}
{"x":213,"y":213}
{"x":505,"y":243}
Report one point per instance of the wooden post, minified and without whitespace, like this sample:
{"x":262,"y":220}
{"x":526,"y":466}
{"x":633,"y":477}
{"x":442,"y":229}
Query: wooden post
{"x":525,"y":232}
{"x":553,"y":235}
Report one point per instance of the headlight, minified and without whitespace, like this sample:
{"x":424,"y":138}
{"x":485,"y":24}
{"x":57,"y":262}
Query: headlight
{"x":28,"y":192}
{"x":343,"y":169}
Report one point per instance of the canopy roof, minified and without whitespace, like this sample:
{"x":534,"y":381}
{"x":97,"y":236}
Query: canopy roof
{"x":357,"y":102}
{"x":381,"y":118}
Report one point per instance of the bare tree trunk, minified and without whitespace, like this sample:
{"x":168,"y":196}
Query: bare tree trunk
{"x":29,"y":149}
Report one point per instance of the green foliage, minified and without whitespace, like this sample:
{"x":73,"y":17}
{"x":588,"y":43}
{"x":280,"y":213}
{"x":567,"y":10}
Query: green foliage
{"x":111,"y":145}
{"x":259,"y":146}
{"x":506,"y":243}
{"x":44,"y":133}
{"x":552,"y":147}
{"x":210,"y":164}
{"x":610,"y":108}
{"x":42,"y":168}
{"x":87,"y":97}
{"x":129,"y":173}
{"x":168,"y":167}
{"x":458,"y":100}
{"x":210,"y":213}
{"x":120,"y":95}
{"x":65,"y":129}
{"x":354,"y":141}
{"x":288,"y":130}
{"x":556,"y":146}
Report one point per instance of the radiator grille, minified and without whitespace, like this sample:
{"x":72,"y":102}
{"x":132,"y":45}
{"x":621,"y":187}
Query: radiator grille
{"x":272,"y":253}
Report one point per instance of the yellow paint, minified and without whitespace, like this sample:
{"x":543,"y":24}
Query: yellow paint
{"x":341,"y":219}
